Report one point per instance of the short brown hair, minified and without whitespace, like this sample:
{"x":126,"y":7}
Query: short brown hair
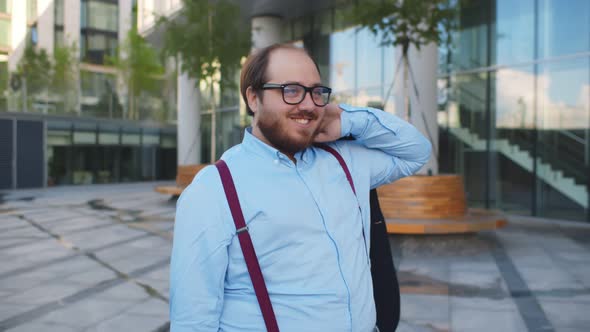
{"x":254,"y":70}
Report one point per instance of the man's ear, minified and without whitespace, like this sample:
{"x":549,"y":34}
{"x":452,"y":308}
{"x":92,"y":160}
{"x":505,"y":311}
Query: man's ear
{"x":252,"y":98}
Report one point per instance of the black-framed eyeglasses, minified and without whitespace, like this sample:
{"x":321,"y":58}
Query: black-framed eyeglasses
{"x":294,"y":93}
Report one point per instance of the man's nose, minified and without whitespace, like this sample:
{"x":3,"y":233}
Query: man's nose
{"x":307,"y":102}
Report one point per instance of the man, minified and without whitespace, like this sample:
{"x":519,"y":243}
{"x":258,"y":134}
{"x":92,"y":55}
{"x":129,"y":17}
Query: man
{"x":307,"y":226}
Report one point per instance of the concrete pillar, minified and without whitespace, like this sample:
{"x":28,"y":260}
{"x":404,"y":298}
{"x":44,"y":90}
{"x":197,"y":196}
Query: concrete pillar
{"x":424,"y":66}
{"x":45,"y":25}
{"x":266,"y":30}
{"x":189,"y":121}
{"x":125,"y":19}
{"x":18,"y":33}
{"x":72,"y":23}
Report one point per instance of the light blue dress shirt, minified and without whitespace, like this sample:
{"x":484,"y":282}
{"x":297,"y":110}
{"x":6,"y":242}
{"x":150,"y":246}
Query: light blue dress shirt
{"x":310,"y":235}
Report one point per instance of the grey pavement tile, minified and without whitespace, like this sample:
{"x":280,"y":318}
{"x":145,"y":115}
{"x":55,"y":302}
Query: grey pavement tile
{"x":44,"y":293}
{"x":418,"y":326}
{"x":129,"y":264}
{"x":91,"y":277}
{"x":130,"y":323}
{"x":438,"y":270}
{"x":472,"y":320}
{"x":483,"y":304}
{"x":543,"y":279}
{"x":11,"y":309}
{"x":13,"y":263}
{"x":152,"y":242}
{"x":159,"y":274}
{"x":42,"y":256}
{"x":37,"y":246}
{"x":98,"y":238}
{"x":41,"y":327}
{"x":567,"y":315}
{"x":88,"y":312}
{"x":127,"y":291}
{"x":76,"y":264}
{"x":21,"y":282}
{"x":482,"y":278}
{"x":159,"y":285}
{"x":152,"y":306}
{"x":413,"y":305}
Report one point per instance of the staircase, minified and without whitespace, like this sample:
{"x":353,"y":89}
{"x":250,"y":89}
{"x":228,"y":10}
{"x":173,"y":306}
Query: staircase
{"x":568,"y":185}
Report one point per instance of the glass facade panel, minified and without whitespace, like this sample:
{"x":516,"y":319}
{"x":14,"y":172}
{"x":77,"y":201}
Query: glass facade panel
{"x":342,"y":65}
{"x":58,"y":7}
{"x":5,"y":6}
{"x":563,"y":137}
{"x":100,"y":15}
{"x":564,"y":27}
{"x":470,"y":42}
{"x":74,"y":156}
{"x":4,"y":32}
{"x":514,"y":35}
{"x":512,"y":139}
{"x":520,"y":134}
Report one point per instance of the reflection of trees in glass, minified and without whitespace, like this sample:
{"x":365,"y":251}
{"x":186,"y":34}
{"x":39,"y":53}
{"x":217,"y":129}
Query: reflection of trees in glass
{"x":209,"y":43}
{"x":139,"y":67}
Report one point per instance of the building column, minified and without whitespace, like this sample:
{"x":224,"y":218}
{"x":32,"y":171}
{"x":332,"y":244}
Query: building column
{"x":266,"y":30}
{"x":424,"y":67}
{"x":45,"y":25}
{"x":188,"y":120}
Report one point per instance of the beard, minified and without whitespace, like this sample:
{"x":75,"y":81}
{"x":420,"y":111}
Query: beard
{"x":287,"y":140}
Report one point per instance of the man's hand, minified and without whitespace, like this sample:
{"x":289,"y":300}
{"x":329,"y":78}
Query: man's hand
{"x":330,"y":127}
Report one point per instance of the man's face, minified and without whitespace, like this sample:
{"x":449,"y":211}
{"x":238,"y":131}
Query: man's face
{"x":288,"y":128}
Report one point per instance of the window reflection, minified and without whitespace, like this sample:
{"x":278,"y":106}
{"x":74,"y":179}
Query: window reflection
{"x":342,"y":61}
{"x":514,"y":31}
{"x":564,"y":27}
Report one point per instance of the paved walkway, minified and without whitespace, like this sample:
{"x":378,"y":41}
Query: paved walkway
{"x":96,"y":259}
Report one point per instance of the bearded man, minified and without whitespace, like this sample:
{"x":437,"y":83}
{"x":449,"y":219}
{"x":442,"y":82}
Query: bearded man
{"x":305,"y":206}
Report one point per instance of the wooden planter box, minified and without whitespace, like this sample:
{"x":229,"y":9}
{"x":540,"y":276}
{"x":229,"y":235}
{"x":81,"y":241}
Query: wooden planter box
{"x":433,"y":205}
{"x":423,"y":197}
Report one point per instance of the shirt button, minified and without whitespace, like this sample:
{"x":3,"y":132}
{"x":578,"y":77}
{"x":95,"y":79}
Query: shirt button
{"x":276,"y":161}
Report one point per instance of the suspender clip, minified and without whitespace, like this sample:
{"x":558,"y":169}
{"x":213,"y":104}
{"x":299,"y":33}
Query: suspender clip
{"x":243,"y":229}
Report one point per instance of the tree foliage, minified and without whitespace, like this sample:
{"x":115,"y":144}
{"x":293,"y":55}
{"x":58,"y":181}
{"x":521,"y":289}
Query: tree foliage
{"x":64,"y":77}
{"x":207,"y":39}
{"x":35,"y":70}
{"x":139,"y":66}
{"x":406,"y":23}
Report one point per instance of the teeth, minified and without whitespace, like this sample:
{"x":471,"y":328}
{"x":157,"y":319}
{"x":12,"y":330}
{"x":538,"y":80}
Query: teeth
{"x":302,"y":121}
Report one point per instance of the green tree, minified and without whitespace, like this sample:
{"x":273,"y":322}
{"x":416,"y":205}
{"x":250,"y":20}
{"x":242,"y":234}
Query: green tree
{"x":34,"y":69}
{"x":408,"y":23}
{"x":139,"y":67}
{"x":208,"y":41}
{"x":64,"y":78}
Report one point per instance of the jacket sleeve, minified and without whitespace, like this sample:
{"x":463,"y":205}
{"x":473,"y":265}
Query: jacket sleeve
{"x":199,"y":255}
{"x":389,"y":147}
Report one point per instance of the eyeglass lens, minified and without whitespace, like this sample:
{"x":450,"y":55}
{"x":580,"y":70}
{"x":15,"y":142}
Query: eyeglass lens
{"x":294,"y":94}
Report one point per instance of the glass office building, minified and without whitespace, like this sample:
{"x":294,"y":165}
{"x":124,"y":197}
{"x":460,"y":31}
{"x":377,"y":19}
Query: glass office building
{"x":84,"y":132}
{"x":513,"y":99}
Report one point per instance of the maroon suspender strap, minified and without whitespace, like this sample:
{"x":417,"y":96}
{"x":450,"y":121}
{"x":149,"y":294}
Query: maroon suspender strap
{"x":247,"y":247}
{"x":341,"y":161}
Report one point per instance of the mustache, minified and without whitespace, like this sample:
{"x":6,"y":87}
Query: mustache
{"x":304,"y":114}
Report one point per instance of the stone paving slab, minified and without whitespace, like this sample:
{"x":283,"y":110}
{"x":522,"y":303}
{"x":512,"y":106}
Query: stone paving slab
{"x":95,"y":258}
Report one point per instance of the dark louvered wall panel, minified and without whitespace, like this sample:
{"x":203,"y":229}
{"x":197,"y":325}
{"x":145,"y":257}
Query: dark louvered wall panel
{"x":29,"y":154}
{"x":6,"y":151}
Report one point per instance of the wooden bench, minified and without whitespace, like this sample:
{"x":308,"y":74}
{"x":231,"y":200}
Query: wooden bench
{"x":433,"y":205}
{"x":184,"y":177}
